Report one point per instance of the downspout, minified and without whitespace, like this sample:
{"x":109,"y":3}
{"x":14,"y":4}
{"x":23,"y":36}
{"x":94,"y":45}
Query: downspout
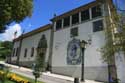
{"x":51,"y":44}
{"x":19,"y":50}
{"x":49,"y":65}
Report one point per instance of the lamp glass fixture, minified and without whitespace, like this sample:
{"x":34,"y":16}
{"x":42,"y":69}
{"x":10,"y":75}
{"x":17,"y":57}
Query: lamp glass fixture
{"x":83,"y":44}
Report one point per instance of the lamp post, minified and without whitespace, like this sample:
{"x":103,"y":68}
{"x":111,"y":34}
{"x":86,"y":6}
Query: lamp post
{"x":82,"y":44}
{"x":36,"y":71}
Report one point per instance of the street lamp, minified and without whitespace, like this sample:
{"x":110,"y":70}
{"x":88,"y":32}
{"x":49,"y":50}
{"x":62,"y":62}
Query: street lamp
{"x":36,"y":71}
{"x":82,"y":45}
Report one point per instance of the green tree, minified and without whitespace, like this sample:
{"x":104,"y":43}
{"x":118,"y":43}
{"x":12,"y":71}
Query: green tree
{"x":41,"y":53}
{"x":114,"y":37}
{"x":14,"y":11}
{"x":5,"y":49}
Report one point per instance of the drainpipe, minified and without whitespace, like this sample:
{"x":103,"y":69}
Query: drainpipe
{"x":51,"y":46}
{"x":19,"y":50}
{"x":49,"y":65}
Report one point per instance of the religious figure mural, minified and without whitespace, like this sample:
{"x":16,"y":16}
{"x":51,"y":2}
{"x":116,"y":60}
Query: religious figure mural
{"x":41,"y":53}
{"x":73,"y":52}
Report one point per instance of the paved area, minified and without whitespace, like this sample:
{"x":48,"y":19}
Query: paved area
{"x":46,"y":77}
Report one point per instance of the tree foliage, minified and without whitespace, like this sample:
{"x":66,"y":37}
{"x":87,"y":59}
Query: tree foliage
{"x":114,"y":35}
{"x":5,"y":49}
{"x":14,"y":11}
{"x":40,"y":62}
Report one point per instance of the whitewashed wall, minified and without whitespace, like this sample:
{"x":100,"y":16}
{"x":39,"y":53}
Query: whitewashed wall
{"x":94,"y":67}
{"x":33,"y":41}
{"x":14,"y":57}
{"x":120,"y":66}
{"x":29,"y":42}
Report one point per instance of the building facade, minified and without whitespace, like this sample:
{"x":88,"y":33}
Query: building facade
{"x":25,"y":47}
{"x":63,"y":43}
{"x":83,"y":23}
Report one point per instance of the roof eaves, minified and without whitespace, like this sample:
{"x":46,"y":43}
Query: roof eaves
{"x":83,"y":7}
{"x":43,"y":28}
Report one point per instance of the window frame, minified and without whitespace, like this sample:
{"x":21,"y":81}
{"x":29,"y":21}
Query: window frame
{"x":17,"y":49}
{"x":58,"y":24}
{"x":25,"y":52}
{"x":94,"y":11}
{"x":65,"y":20}
{"x":84,"y":12}
{"x":74,"y":32}
{"x":96,"y":25}
{"x":75,"y":19}
{"x":32,"y":51}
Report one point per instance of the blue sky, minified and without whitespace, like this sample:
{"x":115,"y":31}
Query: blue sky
{"x":44,"y":10}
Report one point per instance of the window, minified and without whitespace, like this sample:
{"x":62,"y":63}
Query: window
{"x":74,"y":32}
{"x":66,"y":21}
{"x":32,"y":51}
{"x":75,"y":18}
{"x":25,"y":52}
{"x":17,"y":51}
{"x":96,"y":11}
{"x":97,"y":26}
{"x":58,"y":24}
{"x":85,"y":15}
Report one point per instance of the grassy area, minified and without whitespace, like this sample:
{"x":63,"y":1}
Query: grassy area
{"x":31,"y":80}
{"x":9,"y":81}
{"x":22,"y":77}
{"x":2,"y":59}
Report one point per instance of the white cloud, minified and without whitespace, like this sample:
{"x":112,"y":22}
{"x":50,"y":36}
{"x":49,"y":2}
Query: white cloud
{"x":9,"y":33}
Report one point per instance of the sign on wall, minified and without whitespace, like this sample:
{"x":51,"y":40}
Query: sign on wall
{"x":73,"y":52}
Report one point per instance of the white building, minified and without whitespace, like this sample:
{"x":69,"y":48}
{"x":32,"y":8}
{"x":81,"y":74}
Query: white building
{"x":84,"y":23}
{"x":28,"y":43}
{"x":63,"y":40}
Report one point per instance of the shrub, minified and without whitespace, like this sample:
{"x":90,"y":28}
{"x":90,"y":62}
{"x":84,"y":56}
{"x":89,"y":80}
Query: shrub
{"x":13,"y":77}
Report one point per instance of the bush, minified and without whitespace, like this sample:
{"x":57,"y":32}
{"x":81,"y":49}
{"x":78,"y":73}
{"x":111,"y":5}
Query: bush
{"x":13,"y":77}
{"x":17,"y":79}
